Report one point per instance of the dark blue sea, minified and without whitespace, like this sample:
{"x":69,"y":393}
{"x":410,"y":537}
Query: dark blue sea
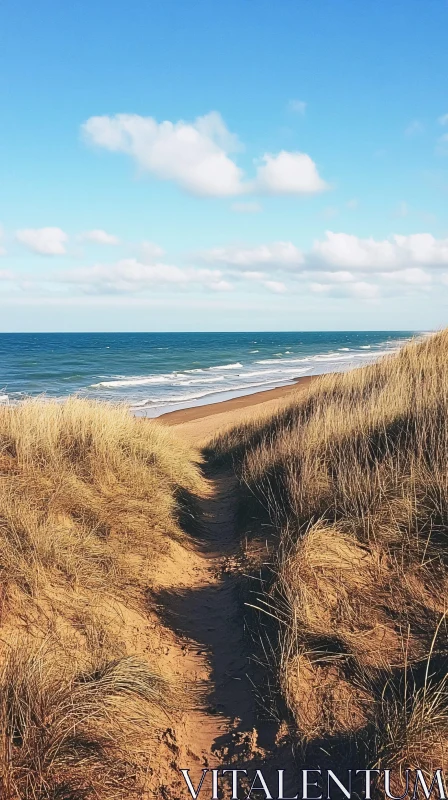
{"x":156,"y":372}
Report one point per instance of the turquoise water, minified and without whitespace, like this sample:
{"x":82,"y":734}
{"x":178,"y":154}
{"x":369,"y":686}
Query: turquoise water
{"x":156,"y":372}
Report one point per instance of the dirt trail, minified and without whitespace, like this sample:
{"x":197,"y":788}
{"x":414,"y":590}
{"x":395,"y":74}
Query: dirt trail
{"x":205,"y":644}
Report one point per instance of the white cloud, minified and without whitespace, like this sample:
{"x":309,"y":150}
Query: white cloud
{"x":288,"y":173}
{"x":246,"y":208}
{"x":338,"y":257}
{"x":194,"y":155}
{"x":364,"y":290}
{"x":297,"y":106}
{"x":220,"y":286}
{"x":347,"y":265}
{"x":45,"y":241}
{"x":337,"y":265}
{"x":130,"y":276}
{"x":101,"y":237}
{"x":278,"y":287}
{"x":275,"y":286}
{"x":149,"y":252}
{"x":353,"y":204}
{"x":340,"y":276}
{"x":343,"y":250}
{"x":253,"y":276}
{"x":443,"y":120}
{"x":275,"y":255}
{"x":360,"y":289}
{"x":413,"y":275}
{"x":319,"y":288}
{"x":414,"y":128}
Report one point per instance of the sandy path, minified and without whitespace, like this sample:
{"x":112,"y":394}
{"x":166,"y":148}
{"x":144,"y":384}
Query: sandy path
{"x":209,"y":649}
{"x":205,"y":644}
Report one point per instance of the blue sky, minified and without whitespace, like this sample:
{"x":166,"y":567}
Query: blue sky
{"x":173,"y":165}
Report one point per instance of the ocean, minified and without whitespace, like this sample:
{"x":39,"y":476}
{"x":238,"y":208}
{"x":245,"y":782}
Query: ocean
{"x":158,"y":372}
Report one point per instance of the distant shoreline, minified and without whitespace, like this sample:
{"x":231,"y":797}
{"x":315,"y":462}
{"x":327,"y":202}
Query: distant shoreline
{"x":183,"y":415}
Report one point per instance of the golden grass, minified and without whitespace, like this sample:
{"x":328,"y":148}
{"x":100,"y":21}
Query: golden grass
{"x":90,"y":498}
{"x":81,"y":483}
{"x":352,"y":475}
{"x":68,"y":733}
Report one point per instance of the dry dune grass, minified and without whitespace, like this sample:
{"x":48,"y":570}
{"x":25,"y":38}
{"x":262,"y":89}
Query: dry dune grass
{"x":69,"y":733}
{"x":353,"y":476}
{"x":81,"y":484}
{"x":90,"y":498}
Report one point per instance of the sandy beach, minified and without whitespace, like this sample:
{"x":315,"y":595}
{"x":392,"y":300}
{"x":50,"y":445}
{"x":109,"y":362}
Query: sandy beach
{"x":200,"y":423}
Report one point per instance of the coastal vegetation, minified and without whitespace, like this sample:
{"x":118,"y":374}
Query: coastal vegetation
{"x":91,"y":500}
{"x":116,"y":541}
{"x":346,"y":489}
